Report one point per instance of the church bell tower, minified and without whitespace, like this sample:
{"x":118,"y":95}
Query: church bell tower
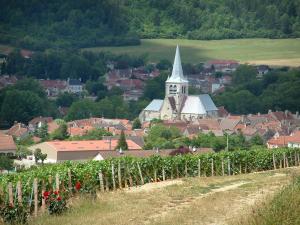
{"x":176,"y":86}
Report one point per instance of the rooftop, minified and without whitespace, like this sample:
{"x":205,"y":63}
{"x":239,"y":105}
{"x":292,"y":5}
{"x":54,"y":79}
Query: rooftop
{"x":98,"y":145}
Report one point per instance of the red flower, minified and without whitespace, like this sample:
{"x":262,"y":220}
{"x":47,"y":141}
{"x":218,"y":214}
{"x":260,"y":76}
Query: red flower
{"x":77,"y":185}
{"x":56,"y":192}
{"x":58,"y":198}
{"x":46,"y":194}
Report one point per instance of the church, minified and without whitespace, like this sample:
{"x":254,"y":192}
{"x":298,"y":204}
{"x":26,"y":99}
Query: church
{"x":177,"y":104}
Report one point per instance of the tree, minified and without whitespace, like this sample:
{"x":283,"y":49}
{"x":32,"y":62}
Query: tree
{"x":244,"y":74}
{"x":122,"y":144}
{"x":6,"y":163}
{"x":161,"y":137}
{"x":95,"y":134}
{"x":256,"y":140}
{"x":136,"y":124}
{"x":42,"y":131}
{"x":38,"y":155}
{"x":164,"y":64}
{"x":61,"y":133}
{"x":21,"y":106}
{"x":37,"y":152}
{"x":43,"y":157}
{"x":66,"y":99}
{"x":22,"y":152}
{"x":82,"y":109}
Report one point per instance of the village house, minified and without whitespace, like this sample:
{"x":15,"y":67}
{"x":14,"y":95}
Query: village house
{"x":224,"y":66}
{"x":7,"y":144}
{"x":291,"y":141}
{"x":6,"y":80}
{"x":262,"y":70}
{"x":59,"y":151}
{"x":38,"y":122}
{"x":74,"y":86}
{"x":18,"y":130}
{"x":133,"y":95}
{"x":54,"y":87}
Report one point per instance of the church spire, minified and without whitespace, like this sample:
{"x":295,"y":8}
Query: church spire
{"x":177,"y":73}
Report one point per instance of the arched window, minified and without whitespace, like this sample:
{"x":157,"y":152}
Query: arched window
{"x":172,"y":89}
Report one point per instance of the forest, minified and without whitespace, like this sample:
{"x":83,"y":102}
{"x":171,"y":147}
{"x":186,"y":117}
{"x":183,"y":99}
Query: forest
{"x":40,"y":25}
{"x":278,"y":90}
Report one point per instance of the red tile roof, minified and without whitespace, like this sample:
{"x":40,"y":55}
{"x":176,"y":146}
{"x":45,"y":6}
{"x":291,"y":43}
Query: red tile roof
{"x":99,"y":145}
{"x":18,"y":130}
{"x":7,"y":142}
{"x":284,"y":140}
{"x":59,"y":84}
{"x":79,"y":131}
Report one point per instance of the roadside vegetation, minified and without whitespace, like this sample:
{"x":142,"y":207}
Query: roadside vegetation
{"x":283,"y":208}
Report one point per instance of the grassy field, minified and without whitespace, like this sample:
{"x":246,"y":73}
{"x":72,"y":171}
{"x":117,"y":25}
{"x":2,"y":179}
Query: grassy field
{"x":205,"y":200}
{"x":269,"y":51}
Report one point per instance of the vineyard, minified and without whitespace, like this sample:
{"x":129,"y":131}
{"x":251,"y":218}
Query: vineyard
{"x":28,"y":188}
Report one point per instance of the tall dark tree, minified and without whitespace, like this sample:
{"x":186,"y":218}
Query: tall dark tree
{"x":122,"y":144}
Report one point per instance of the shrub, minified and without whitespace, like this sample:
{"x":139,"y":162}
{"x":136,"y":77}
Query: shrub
{"x":55,"y":201}
{"x":14,"y":214}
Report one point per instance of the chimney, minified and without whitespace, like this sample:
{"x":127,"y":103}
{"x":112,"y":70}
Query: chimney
{"x":286,"y":112}
{"x":297,"y":114}
{"x":269,"y":111}
{"x":258,"y":113}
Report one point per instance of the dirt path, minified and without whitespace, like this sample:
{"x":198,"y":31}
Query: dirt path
{"x":241,"y":202}
{"x":175,"y":205}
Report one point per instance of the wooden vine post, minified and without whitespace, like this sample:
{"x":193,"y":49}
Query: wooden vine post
{"x":113,"y":176}
{"x":70,"y":180}
{"x":164,"y":173}
{"x":43,"y":199}
{"x":284,"y":163}
{"x":223,"y":172}
{"x":106,"y":183}
{"x":228,"y":166}
{"x":199,"y":167}
{"x":35,"y":192}
{"x":177,"y":171}
{"x":212,"y":167}
{"x":10,"y":194}
{"x":101,"y":181}
{"x":155,"y":175}
{"x":19,"y":189}
{"x":140,"y":173}
{"x":274,"y":162}
{"x":119,"y":175}
{"x":57,"y":182}
{"x":186,"y":169}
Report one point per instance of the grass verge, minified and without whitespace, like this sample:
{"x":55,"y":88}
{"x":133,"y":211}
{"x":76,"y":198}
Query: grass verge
{"x":282,"y":209}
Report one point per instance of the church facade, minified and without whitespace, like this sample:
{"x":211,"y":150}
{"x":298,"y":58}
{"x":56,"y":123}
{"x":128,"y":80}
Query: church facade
{"x":177,"y":104}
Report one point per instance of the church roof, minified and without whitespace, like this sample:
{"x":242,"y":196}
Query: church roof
{"x":198,"y":104}
{"x":208,"y":103}
{"x":193,"y":105}
{"x":155,"y":105}
{"x":177,"y":73}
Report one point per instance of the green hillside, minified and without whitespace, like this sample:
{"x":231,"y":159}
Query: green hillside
{"x":270,"y":51}
{"x":46,"y":24}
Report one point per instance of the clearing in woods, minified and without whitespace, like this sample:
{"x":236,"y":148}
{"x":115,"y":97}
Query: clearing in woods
{"x":205,"y":200}
{"x":275,"y":52}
